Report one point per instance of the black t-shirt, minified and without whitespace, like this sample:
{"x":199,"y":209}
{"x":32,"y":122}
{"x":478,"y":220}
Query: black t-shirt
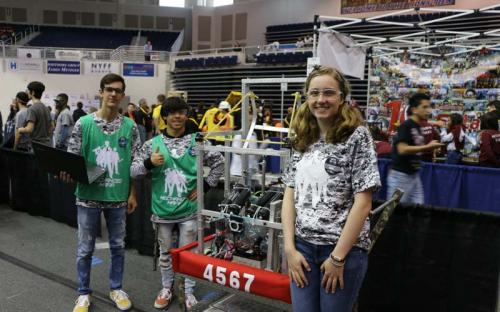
{"x":191,"y":127}
{"x":409,"y":132}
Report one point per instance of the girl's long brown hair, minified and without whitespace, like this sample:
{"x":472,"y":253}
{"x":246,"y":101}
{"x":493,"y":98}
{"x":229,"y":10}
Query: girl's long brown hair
{"x":305,"y":126}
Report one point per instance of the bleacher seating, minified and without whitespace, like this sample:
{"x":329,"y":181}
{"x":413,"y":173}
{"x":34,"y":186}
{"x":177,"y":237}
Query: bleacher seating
{"x":188,"y":63}
{"x":7,"y":30}
{"x":86,"y":38}
{"x":283,"y":57}
{"x":98,"y":38}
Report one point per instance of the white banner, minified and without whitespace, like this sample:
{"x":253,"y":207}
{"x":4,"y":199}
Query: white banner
{"x":29,"y":53}
{"x":100,"y":68}
{"x":23,"y":65}
{"x":176,"y":47}
{"x":68,"y":54}
{"x":339,"y":51}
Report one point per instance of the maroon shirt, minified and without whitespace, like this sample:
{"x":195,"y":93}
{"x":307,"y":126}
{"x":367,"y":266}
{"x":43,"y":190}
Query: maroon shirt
{"x":490,"y":148}
{"x":429,"y":134}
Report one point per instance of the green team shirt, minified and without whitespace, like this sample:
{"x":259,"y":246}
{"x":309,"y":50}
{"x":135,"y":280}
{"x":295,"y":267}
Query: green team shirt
{"x":111,"y":152}
{"x":173,"y":181}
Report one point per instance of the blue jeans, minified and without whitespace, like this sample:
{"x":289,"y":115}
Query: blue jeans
{"x":453,"y":157}
{"x":409,"y":183}
{"x":313,"y":297}
{"x":142,"y":133}
{"x":88,"y":227}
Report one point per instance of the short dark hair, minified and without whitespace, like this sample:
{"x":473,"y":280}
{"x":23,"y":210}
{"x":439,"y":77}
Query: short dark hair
{"x":22,"y":97}
{"x":495,"y":103}
{"x":161,"y":98}
{"x":110,"y":78}
{"x":63,"y":96}
{"x":173,"y":104}
{"x":79,"y":105}
{"x":415,"y":100}
{"x":37,"y":88}
{"x":490,"y":121}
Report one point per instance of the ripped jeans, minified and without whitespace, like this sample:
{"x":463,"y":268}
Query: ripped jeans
{"x":187,"y":234}
{"x":88,"y":227}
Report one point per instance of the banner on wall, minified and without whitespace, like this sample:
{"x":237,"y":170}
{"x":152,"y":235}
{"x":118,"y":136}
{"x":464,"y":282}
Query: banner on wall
{"x":138,"y":70}
{"x":29,"y":53}
{"x":100,"y":68}
{"x":339,"y":51}
{"x":23,"y":65}
{"x":63,"y":67}
{"x":349,"y":6}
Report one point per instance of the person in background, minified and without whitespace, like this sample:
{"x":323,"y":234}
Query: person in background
{"x":408,"y":146}
{"x":430,"y":133}
{"x":493,"y":106}
{"x":171,"y":154}
{"x":10,"y":126}
{"x":328,"y":197}
{"x":64,"y":122}
{"x":131,"y":112}
{"x":22,"y":142}
{"x":40,"y":125}
{"x":382,"y":147}
{"x":454,"y":137}
{"x":148,"y":49}
{"x":159,"y":123}
{"x":1,"y":129}
{"x":489,"y":155}
{"x":78,"y":112}
{"x":144,"y":121}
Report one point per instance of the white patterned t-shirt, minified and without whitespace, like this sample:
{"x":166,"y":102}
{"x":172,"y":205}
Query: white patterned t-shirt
{"x":325,"y":179}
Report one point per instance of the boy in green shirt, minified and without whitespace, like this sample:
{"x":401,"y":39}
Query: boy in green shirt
{"x":171,"y":158}
{"x":107,"y":139}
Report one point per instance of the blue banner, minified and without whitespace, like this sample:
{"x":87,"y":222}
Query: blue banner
{"x":63,"y":67}
{"x":138,"y":70}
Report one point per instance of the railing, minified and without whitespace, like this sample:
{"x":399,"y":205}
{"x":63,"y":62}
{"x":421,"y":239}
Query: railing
{"x":18,"y":36}
{"x":11,"y":51}
{"x":136,"y":53}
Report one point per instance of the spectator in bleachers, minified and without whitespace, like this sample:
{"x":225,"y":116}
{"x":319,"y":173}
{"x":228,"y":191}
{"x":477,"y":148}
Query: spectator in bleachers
{"x":10,"y":126}
{"x":39,"y":125}
{"x":22,"y":142}
{"x":489,"y":155}
{"x":79,"y":112}
{"x":148,"y":49}
{"x":64,"y":122}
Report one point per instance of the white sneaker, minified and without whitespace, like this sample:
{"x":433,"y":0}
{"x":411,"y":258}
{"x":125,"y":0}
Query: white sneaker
{"x":82,"y":304}
{"x":120,"y":298}
{"x":191,"y":301}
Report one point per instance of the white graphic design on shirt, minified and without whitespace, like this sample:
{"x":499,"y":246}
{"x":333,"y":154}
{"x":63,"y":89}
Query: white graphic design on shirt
{"x":311,"y":181}
{"x":107,"y":158}
{"x":174,"y":179}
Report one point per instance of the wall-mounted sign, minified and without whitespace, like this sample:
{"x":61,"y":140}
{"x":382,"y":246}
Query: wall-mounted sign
{"x":24,"y":65}
{"x":138,"y":70}
{"x":63,"y":67}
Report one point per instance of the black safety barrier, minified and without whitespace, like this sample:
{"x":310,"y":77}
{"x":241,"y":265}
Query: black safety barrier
{"x":4,"y":178}
{"x":431,"y":259}
{"x":28,"y":184}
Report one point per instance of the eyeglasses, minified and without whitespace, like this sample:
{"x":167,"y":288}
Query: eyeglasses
{"x":327,"y":93}
{"x":111,"y":90}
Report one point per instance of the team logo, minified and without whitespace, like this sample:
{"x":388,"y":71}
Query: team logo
{"x":122,"y":141}
{"x":107,"y":158}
